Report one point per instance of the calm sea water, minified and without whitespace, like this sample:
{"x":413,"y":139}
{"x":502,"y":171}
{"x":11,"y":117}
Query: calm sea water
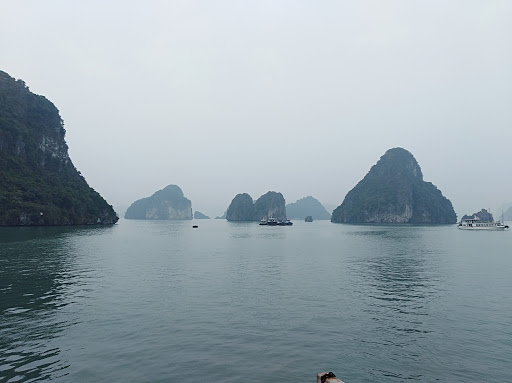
{"x":161,"y":302}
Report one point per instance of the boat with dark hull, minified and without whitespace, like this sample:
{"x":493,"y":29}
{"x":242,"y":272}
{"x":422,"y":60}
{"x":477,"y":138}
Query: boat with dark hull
{"x":272,"y":222}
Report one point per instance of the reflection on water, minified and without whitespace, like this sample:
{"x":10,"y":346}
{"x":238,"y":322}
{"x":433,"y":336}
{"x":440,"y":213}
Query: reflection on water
{"x":36,"y":274}
{"x":397,"y":280}
{"x":154,"y":301}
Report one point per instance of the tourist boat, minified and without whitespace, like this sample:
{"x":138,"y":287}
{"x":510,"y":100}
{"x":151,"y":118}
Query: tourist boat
{"x":475,"y":223}
{"x":272,"y":222}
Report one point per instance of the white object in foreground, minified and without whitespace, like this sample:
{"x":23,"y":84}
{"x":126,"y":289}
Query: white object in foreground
{"x":327,"y":377}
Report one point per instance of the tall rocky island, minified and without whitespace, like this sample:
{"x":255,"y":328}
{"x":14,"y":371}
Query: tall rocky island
{"x":39,"y":185}
{"x":271,"y":204}
{"x":166,"y":204}
{"x":393,"y":191}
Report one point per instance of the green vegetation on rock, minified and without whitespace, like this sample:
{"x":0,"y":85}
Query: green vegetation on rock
{"x":307,"y":206}
{"x":39,"y":184}
{"x":393,"y":191}
{"x":270,"y":204}
{"x":166,"y":204}
{"x":241,"y":208}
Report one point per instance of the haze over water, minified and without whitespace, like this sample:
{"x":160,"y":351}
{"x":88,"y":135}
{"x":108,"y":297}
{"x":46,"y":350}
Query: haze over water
{"x":150,"y":301}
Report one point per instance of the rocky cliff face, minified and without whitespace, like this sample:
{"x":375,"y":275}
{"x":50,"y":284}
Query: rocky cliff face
{"x":271,"y":204}
{"x":241,"y":208}
{"x":393,"y":191}
{"x":39,"y":184}
{"x":166,"y":204}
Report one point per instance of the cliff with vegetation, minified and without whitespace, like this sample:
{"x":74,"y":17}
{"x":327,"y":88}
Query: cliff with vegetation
{"x":270,"y":204}
{"x":307,"y":206}
{"x":39,"y":184}
{"x":166,"y":204}
{"x":242,"y":207}
{"x":394,"y":191}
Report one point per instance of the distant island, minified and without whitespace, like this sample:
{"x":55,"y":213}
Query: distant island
{"x":199,"y":215}
{"x":307,"y":206}
{"x":394,"y":191}
{"x":242,"y":207}
{"x":507,"y":215}
{"x":166,"y":204}
{"x":39,"y":185}
{"x":483,"y":215}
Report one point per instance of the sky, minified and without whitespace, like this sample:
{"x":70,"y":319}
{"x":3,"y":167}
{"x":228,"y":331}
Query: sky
{"x":300,"y":97}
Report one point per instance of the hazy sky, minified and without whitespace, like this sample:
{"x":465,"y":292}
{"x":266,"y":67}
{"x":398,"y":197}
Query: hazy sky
{"x":301,"y":97}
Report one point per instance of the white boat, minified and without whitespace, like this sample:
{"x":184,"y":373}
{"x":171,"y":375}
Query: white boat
{"x":475,"y":223}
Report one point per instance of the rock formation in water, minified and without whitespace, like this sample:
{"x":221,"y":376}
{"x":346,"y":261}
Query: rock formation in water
{"x":393,"y":191}
{"x":199,"y":215}
{"x":307,"y":206}
{"x":271,"y":204}
{"x":166,"y":204}
{"x":39,"y":185}
{"x":241,"y":208}
{"x":483,"y":214}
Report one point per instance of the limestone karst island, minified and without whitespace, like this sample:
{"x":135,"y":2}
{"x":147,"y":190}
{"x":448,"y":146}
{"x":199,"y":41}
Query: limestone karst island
{"x":166,"y":204}
{"x":394,"y":191}
{"x":39,"y":185}
{"x":269,"y":205}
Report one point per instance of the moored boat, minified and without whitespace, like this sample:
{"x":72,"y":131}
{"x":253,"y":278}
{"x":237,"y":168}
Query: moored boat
{"x":475,"y":223}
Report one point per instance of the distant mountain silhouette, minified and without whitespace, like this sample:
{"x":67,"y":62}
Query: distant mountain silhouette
{"x":166,"y":204}
{"x":307,"y":206}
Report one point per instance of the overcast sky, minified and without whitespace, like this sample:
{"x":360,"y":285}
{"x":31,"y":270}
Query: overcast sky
{"x":301,"y":97}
